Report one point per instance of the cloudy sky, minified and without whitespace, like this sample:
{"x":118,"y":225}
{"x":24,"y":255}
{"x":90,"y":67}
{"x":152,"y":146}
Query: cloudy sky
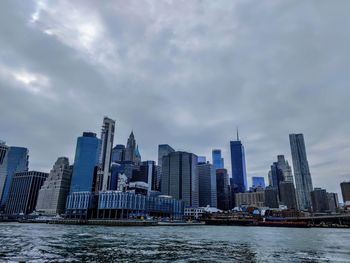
{"x":179,"y":72}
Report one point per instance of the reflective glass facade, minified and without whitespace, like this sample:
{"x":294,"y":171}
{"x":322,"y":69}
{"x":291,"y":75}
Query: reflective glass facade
{"x":16,"y":161}
{"x":218,"y":161}
{"x":85,"y":162}
{"x":239,"y":174}
{"x":258,"y":182}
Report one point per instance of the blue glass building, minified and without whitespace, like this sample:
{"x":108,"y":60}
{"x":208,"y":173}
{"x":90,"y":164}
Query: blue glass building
{"x":16,"y":161}
{"x":258,"y":182}
{"x":118,"y":153}
{"x":239,"y":174}
{"x":85,"y":162}
{"x":218,"y":161}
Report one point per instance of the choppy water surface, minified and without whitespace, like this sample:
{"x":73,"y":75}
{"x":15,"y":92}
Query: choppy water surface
{"x":60,"y":243}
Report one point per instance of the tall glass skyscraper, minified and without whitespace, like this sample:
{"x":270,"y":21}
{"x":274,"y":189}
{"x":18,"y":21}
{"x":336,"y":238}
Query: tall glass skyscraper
{"x":16,"y":160}
{"x":239,"y":174}
{"x":85,"y":163}
{"x":302,"y":174}
{"x":207,"y":185}
{"x":180,"y":177}
{"x":218,"y":161}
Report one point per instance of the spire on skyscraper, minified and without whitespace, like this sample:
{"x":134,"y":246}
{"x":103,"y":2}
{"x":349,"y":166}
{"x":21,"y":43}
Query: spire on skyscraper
{"x":237,"y":133}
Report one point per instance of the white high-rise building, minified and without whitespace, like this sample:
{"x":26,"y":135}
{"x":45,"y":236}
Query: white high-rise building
{"x":107,"y":137}
{"x":303,"y":182}
{"x":53,"y":194}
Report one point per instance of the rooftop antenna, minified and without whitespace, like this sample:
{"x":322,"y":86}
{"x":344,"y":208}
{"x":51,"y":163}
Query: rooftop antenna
{"x":237,"y":133}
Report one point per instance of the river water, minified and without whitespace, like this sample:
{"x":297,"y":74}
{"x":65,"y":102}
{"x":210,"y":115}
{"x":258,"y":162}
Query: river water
{"x":65,"y":243}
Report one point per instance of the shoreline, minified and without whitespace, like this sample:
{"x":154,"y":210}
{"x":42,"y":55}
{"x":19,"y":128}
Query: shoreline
{"x":145,"y":223}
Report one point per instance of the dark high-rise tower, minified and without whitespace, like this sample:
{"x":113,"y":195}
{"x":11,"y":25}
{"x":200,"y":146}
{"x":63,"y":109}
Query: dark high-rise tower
{"x":345,"y":190}
{"x":207,"y":185}
{"x":180,"y":177}
{"x":238,"y":166}
{"x":303,"y":182}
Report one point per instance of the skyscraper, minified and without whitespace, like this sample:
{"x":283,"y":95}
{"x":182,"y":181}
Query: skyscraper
{"x":107,"y":137}
{"x":287,"y":194}
{"x":118,"y":153}
{"x":85,"y":163}
{"x":333,"y":201}
{"x":302,"y":174}
{"x":130,"y":149}
{"x":16,"y":160}
{"x":276,"y":178}
{"x":284,"y":166}
{"x":258,"y":182}
{"x":148,"y":173}
{"x":345,"y":190}
{"x":271,"y":199}
{"x":24,"y":191}
{"x":180,"y":177}
{"x":3,"y":165}
{"x":53,"y":193}
{"x":238,"y":166}
{"x":319,"y":200}
{"x":163,"y":150}
{"x":223,"y":189}
{"x":207,"y":185}
{"x":218,"y":161}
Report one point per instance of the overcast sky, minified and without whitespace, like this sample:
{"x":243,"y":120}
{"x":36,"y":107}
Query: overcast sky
{"x":184,"y":73}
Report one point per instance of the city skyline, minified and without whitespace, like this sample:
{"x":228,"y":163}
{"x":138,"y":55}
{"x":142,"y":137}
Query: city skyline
{"x":185,"y":75}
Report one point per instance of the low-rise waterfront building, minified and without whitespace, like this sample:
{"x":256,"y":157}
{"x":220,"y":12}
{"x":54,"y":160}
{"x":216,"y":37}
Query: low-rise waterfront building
{"x":119,"y":205}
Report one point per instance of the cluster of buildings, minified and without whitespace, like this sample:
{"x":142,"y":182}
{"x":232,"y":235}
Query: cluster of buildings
{"x":112,"y":182}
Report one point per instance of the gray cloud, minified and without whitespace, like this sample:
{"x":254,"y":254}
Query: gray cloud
{"x":179,"y":72}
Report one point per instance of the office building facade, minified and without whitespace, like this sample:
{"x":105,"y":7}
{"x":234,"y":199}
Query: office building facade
{"x":118,"y":153}
{"x":288,"y":195}
{"x":319,"y":200}
{"x":15,"y":161}
{"x":271,"y":199}
{"x":286,"y":169}
{"x":207,"y":185}
{"x":253,"y":199}
{"x":333,"y":202}
{"x":303,"y":182}
{"x":24,"y":192}
{"x":238,"y":166}
{"x":53,"y":194}
{"x":345,"y":190}
{"x":107,"y":137}
{"x":180,"y":177}
{"x":223,"y":189}
{"x":85,"y":163}
{"x":3,"y":165}
{"x":258,"y":182}
{"x":163,"y":150}
{"x":218,"y":161}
